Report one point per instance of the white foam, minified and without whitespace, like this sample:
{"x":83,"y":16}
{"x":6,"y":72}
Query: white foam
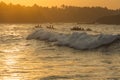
{"x":75,"y":40}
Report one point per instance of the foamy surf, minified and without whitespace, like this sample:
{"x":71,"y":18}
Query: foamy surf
{"x":75,"y":40}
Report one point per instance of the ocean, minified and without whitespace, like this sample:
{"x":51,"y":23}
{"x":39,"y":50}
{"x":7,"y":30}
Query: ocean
{"x":22,"y":59}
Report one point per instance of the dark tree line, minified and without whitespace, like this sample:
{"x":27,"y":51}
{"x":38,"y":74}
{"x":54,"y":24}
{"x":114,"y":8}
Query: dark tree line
{"x":35,"y":14}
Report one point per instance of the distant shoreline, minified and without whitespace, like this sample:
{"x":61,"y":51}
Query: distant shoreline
{"x":59,"y":22}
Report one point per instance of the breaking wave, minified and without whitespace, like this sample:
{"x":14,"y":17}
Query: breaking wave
{"x":75,"y":40}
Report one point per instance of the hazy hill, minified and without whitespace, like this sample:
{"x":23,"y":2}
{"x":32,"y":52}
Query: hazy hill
{"x":35,"y":14}
{"x":112,"y":19}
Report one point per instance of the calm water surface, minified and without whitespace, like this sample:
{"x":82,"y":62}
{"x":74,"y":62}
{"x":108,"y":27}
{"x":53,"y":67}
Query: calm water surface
{"x":22,"y":59}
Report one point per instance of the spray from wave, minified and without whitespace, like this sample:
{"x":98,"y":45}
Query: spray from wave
{"x":75,"y":40}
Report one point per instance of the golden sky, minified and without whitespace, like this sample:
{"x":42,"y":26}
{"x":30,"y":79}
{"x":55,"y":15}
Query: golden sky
{"x":113,"y":4}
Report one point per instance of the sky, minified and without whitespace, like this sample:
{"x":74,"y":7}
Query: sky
{"x":112,"y":4}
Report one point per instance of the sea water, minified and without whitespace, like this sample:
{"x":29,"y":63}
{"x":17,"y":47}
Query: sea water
{"x":22,"y":59}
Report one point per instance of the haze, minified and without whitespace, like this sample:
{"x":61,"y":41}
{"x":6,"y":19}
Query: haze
{"x":112,"y":4}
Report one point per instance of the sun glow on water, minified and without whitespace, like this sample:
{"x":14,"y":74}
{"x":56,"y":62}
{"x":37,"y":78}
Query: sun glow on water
{"x":10,"y":50}
{"x":11,"y":78}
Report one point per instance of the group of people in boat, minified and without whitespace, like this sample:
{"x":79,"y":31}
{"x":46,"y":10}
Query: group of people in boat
{"x":49,"y":26}
{"x":38,"y":26}
{"x":76,"y":28}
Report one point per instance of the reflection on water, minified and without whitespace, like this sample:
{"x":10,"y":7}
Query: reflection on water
{"x":10,"y":61}
{"x":11,"y":50}
{"x":37,"y":60}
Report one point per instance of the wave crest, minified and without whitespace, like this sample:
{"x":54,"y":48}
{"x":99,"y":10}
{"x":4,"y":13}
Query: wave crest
{"x":75,"y":40}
